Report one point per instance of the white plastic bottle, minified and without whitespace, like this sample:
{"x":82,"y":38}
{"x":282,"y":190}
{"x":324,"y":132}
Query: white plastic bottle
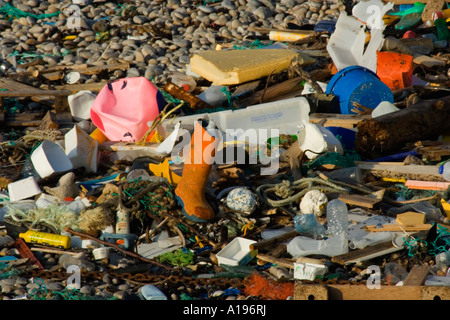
{"x":445,"y":171}
{"x":337,"y":218}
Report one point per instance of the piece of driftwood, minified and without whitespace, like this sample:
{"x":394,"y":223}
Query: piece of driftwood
{"x":349,"y":121}
{"x":417,"y":275}
{"x":433,"y":150}
{"x":35,"y":119}
{"x":359,"y":200}
{"x":397,"y":170}
{"x":425,"y":120}
{"x":363,"y":292}
{"x":272,"y":93}
{"x":397,"y":228}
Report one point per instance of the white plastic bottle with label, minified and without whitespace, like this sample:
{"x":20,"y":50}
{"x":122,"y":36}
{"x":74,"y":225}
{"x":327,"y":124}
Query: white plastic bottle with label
{"x":122,"y":222}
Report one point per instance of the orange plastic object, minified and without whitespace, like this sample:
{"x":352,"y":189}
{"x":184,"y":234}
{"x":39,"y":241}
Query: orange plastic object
{"x":124,"y":107}
{"x":395,"y":69}
{"x":99,"y":136}
{"x":190,"y":191}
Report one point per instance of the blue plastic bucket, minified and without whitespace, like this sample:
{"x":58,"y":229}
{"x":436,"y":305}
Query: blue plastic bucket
{"x":358,"y":84}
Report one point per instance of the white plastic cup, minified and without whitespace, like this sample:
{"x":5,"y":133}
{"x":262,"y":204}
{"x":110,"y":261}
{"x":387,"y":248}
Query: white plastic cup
{"x":101,"y":253}
{"x":23,"y":189}
{"x":314,"y":139}
{"x":80,"y":104}
{"x":49,"y":158}
{"x":383,"y":108}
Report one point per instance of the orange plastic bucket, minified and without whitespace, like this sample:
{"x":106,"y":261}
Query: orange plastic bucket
{"x":395,"y":69}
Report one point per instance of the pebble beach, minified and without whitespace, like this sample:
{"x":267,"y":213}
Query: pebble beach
{"x":156,"y":37}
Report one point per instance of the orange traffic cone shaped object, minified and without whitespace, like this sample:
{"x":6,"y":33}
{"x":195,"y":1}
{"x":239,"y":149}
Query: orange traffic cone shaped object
{"x":190,"y":191}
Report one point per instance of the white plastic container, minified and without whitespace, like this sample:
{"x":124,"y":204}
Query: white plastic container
{"x":317,"y":139}
{"x":150,"y":292}
{"x":383,"y":108}
{"x":81,"y":149}
{"x":446,"y":171}
{"x":23,"y":189}
{"x":282,"y":117}
{"x":80,"y":104}
{"x":49,"y":158}
{"x":308,"y":269}
{"x":101,"y":253}
{"x":237,"y":252}
{"x":347,"y":43}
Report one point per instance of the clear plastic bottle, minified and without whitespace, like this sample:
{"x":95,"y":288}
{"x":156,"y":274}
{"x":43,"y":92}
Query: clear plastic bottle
{"x":214,"y":95}
{"x":184,"y":81}
{"x":337,"y":218}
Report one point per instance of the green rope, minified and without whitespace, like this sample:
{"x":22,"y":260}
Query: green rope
{"x":42,"y":293}
{"x":25,"y":55}
{"x":7,"y":271}
{"x":8,"y":10}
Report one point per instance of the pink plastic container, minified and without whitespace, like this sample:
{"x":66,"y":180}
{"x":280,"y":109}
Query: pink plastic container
{"x":123,"y":108}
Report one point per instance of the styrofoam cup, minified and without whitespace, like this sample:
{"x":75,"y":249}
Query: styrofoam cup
{"x":81,"y":149}
{"x":314,"y":139}
{"x":80,"y":104}
{"x":383,"y":108}
{"x":49,"y":158}
{"x":23,"y":189}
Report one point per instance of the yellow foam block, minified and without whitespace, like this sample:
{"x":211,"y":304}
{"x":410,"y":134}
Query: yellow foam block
{"x":229,"y":67}
{"x":410,"y":218}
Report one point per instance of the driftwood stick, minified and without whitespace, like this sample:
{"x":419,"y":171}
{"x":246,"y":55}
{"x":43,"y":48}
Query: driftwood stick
{"x":126,"y":252}
{"x":425,"y":120}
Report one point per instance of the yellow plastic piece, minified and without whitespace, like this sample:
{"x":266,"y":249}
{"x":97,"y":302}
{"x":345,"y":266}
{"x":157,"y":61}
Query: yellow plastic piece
{"x":99,"y":136}
{"x":45,"y":238}
{"x":71,"y":37}
{"x":163,"y":170}
{"x":446,"y":207}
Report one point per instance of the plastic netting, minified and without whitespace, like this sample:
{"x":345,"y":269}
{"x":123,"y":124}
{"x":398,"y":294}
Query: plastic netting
{"x":439,"y":244}
{"x":11,"y":12}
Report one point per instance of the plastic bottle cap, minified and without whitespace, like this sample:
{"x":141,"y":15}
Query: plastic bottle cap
{"x":185,"y":86}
